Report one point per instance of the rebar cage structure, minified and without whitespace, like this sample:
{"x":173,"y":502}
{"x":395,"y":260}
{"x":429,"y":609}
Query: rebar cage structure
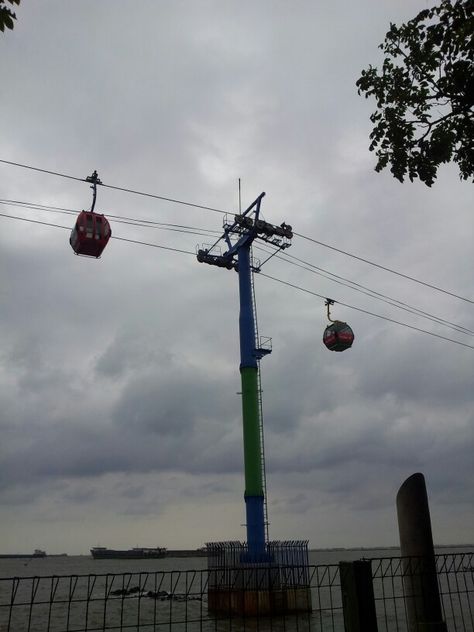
{"x":276,"y":583}
{"x":278,"y":554}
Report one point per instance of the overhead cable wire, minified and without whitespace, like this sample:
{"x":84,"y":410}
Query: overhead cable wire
{"x":271,"y":253}
{"x":117,"y":188}
{"x":187,"y":230}
{"x":357,"y":287}
{"x":166,"y":199}
{"x":52,"y":173}
{"x":128,"y":223}
{"x":145,"y":243}
{"x":132,"y":241}
{"x":224,"y":212}
{"x":34,"y":221}
{"x":365,"y":311}
{"x":291,"y":259}
{"x":288,"y":258}
{"x":359,"y":309}
{"x":381,"y":267}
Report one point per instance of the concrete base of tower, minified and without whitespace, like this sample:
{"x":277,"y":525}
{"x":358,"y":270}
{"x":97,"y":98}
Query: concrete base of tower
{"x":275,"y":583}
{"x":259,"y":603}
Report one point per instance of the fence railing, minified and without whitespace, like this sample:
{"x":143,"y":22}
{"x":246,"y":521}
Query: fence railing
{"x":176,"y":601}
{"x":455,"y":573}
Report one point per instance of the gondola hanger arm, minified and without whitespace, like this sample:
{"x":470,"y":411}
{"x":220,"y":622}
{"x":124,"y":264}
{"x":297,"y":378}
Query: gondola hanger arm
{"x":328,"y":304}
{"x":94,"y":178}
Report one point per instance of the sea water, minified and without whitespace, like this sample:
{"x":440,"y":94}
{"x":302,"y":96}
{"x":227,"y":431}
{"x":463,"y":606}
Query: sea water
{"x":85,"y":564}
{"x":179,"y":583}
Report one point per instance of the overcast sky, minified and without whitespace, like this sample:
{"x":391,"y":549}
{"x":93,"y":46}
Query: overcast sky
{"x":120,"y":421}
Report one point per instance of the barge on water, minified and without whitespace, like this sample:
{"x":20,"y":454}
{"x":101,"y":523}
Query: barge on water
{"x":137,"y":553}
{"x":37,"y":553}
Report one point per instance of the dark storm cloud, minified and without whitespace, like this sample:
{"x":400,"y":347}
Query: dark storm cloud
{"x":79,"y":496}
{"x":166,"y":420}
{"x":377,"y":424}
{"x":445,"y":380}
{"x":297,"y":504}
{"x":66,"y":452}
{"x":171,"y":402}
{"x":130,"y":353}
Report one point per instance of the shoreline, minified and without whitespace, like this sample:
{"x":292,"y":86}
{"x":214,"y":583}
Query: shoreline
{"x":183,"y":553}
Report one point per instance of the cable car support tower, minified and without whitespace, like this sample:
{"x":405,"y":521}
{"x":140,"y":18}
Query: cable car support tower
{"x":245,"y":228}
{"x":246,"y":587}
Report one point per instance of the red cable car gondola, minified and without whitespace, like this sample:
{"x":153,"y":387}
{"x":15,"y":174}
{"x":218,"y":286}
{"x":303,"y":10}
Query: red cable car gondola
{"x":90,"y":234}
{"x":92,"y":230}
{"x":338,"y":336}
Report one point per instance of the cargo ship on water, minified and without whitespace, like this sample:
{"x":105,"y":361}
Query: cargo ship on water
{"x":137,"y":553}
{"x":11,"y":556}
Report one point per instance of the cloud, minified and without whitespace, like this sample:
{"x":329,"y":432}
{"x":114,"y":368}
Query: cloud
{"x":119,"y":378}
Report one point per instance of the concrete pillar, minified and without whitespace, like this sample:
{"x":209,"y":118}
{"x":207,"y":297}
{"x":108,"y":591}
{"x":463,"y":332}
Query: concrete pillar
{"x":419,"y":568}
{"x":358,"y":600}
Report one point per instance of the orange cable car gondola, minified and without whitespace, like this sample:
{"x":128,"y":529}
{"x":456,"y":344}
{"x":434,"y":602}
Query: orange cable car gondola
{"x":91,"y":231}
{"x":338,"y":336}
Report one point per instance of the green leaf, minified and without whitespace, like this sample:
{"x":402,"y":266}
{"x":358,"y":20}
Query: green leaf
{"x":425,"y":94}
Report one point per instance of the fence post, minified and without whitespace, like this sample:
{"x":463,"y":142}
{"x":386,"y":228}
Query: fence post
{"x":419,"y":565}
{"x":358,"y":601}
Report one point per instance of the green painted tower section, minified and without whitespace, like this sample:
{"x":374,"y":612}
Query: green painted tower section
{"x":251,"y":426}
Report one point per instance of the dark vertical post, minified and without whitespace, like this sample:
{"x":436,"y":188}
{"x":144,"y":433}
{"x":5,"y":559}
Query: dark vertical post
{"x":358,"y":600}
{"x":419,"y":565}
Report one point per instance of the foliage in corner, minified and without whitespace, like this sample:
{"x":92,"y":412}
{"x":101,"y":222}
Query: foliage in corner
{"x":6,"y":15}
{"x":425,"y":94}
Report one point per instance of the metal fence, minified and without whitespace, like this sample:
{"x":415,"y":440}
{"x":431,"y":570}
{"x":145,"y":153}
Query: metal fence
{"x":176,"y":601}
{"x":455,"y":573}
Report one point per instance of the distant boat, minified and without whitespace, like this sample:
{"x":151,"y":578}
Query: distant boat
{"x":37,"y":553}
{"x":137,"y":553}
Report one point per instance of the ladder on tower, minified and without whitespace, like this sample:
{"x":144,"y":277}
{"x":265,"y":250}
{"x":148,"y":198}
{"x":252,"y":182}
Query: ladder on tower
{"x":260,"y":352}
{"x":262,"y":442}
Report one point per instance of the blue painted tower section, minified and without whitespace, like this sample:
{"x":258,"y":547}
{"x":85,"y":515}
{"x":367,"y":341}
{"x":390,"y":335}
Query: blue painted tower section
{"x":246,"y":317}
{"x":254,"y":496}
